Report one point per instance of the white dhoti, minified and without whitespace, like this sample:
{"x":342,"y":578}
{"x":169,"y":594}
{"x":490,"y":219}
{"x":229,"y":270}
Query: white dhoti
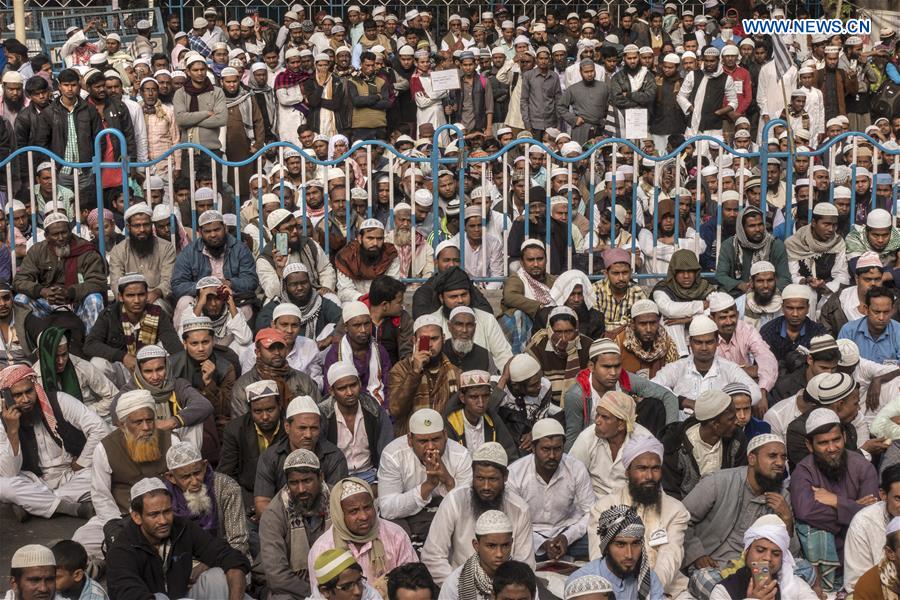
{"x":37,"y":496}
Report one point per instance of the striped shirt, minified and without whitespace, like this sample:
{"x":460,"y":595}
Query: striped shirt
{"x":71,"y":153}
{"x":616,"y":312}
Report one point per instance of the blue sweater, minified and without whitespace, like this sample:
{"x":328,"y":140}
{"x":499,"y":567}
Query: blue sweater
{"x":192,"y":264}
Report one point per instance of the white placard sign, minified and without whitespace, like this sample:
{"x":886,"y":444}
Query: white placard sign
{"x":636,"y":123}
{"x":445,"y":81}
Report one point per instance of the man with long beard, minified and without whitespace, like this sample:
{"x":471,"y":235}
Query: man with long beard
{"x":46,"y":443}
{"x":583,"y":105}
{"x":666,"y":518}
{"x":142,"y":252}
{"x":271,"y":264}
{"x":295,"y":519}
{"x":62,"y":270}
{"x":211,"y":500}
{"x":359,"y":347}
{"x":13,"y":97}
{"x":364,"y":259}
{"x":762,"y":302}
{"x":460,"y":347}
{"x":723,"y":504}
{"x":449,"y":540}
{"x":133,"y":451}
{"x":828,"y":487}
{"x":415,"y":260}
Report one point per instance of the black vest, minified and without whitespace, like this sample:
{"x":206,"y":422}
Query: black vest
{"x":713,"y":99}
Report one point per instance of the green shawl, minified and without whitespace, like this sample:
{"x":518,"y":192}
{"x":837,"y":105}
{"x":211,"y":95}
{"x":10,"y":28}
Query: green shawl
{"x":67,"y":381}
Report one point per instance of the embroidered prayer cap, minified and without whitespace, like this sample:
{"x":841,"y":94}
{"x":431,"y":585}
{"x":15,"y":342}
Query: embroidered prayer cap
{"x":53,"y":218}
{"x":820,"y":417}
{"x":132,"y":401}
{"x":825,"y":209}
{"x":33,"y":555}
{"x":762,"y":439}
{"x":292,"y":52}
{"x":341,"y":370}
{"x":491,"y":452}
{"x":640,"y":444}
{"x":719,"y":301}
{"x":301,"y":459}
{"x":523,"y":367}
{"x":711,"y":51}
{"x":425,"y":321}
{"x":832,"y":50}
{"x":353,"y":486}
{"x":353,"y":309}
{"x":849,"y":353}
{"x":493,"y":521}
{"x":795,"y":291}
{"x":702,"y":325}
{"x":710,"y":404}
{"x":161,"y":212}
{"x":182,"y":454}
{"x":195,"y":323}
{"x":285,"y":309}
{"x":546,"y":428}
{"x":209,"y":281}
{"x":277,"y":217}
{"x":762,"y":266}
{"x":672,"y":59}
{"x":630,"y":48}
{"x":268,"y":336}
{"x":210,"y":216}
{"x":229,"y":72}
{"x":330,"y":564}
{"x":532,"y":242}
{"x":302,"y":405}
{"x":605,"y":346}
{"x":295,"y":267}
{"x":145,"y":486}
{"x":426,"y":421}
{"x":264,"y":388}
{"x":461,"y":310}
{"x":151,"y":351}
{"x":828,"y":388}
{"x":878,"y":219}
{"x":139,"y":208}
{"x":371,"y":224}
{"x":129,"y":278}
{"x":587,"y":585}
{"x":645,"y":306}
{"x":270,"y":199}
{"x":474,"y":378}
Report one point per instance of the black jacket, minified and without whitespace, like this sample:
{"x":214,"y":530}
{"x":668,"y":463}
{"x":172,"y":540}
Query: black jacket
{"x":240,"y":454}
{"x":51,"y":131}
{"x":116,"y":115}
{"x":680,"y":470}
{"x":135,"y":569}
{"x":26,"y":123}
{"x":107,"y":338}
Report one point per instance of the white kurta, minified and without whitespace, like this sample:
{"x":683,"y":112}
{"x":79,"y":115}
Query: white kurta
{"x":769,"y":96}
{"x":96,"y":389}
{"x":607,"y":473}
{"x":351,"y":289}
{"x":487,"y":335}
{"x":864,"y":542}
{"x":683,"y":378}
{"x":289,"y":119}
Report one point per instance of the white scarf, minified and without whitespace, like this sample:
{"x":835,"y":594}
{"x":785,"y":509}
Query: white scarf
{"x":327,"y":124}
{"x":375,"y":386}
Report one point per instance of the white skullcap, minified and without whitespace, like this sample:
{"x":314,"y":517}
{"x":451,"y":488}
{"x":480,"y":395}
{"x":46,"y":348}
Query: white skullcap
{"x":53,"y":218}
{"x":893,"y":526}
{"x":762,"y":266}
{"x":546,"y":428}
{"x":210,"y":216}
{"x":878,"y":219}
{"x":270,"y":198}
{"x":161,"y":212}
{"x":689,"y":54}
{"x":523,"y":367}
{"x":210,"y":281}
{"x":151,"y":351}
{"x":194,"y":58}
{"x":711,"y":404}
{"x":277,"y":217}
{"x":720,"y":301}
{"x":729,"y":195}
{"x":562,"y":311}
{"x":709,"y":170}
{"x":849,"y":353}
{"x":129,"y":278}
{"x":644,"y":306}
{"x":638,"y":445}
{"x":182,"y":454}
{"x":258,"y":66}
{"x":353,"y":309}
{"x":301,"y":459}
{"x":762,"y":439}
{"x":132,"y":401}
{"x":491,"y":452}
{"x":426,"y":320}
{"x":35,"y":555}
{"x":302,"y":405}
{"x":264,"y":388}
{"x":340,"y":370}
{"x":587,"y":585}
{"x":533,"y":242}
{"x":493,"y":521}
{"x":291,"y":53}
{"x":825,"y":209}
{"x":140,"y":208}
{"x":286,"y":309}
{"x":730,"y":51}
{"x":461,"y":310}
{"x":145,"y":486}
{"x":426,"y":421}
{"x":371,"y":224}
{"x":423,"y":198}
{"x":229,"y":72}
{"x":402,"y":206}
{"x":701,"y":325}
{"x":820,"y":417}
{"x":350,"y":487}
{"x":795,"y":291}
{"x":671,"y":58}
{"x":443,"y":246}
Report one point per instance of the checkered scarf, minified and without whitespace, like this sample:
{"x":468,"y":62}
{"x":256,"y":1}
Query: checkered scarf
{"x":623,"y":521}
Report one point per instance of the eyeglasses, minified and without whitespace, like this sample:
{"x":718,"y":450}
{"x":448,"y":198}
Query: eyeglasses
{"x":346,"y":587}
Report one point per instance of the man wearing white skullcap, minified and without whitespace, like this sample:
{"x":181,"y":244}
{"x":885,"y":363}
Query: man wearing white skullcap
{"x":354,"y":421}
{"x":364,"y":259}
{"x":878,"y":235}
{"x":215,"y":300}
{"x":303,"y":351}
{"x":557,"y":489}
{"x":493,"y":542}
{"x":846,"y":305}
{"x":418,"y":470}
{"x":33,"y":573}
{"x":702,"y":370}
{"x":863,"y":546}
{"x":47,"y":444}
{"x":449,"y":541}
{"x":794,"y":328}
{"x":666,"y":519}
{"x":847,"y":477}
{"x":762,"y":301}
{"x":211,"y":499}
{"x":817,"y":254}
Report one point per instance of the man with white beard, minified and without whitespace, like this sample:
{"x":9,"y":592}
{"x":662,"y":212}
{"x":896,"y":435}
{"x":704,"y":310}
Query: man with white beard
{"x":460,"y":348}
{"x":212,"y":500}
{"x":414,"y":261}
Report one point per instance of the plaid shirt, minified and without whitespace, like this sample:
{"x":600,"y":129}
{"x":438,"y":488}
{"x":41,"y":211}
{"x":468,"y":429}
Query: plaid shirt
{"x":616,"y":312}
{"x":197,"y":44}
{"x":71,"y":153}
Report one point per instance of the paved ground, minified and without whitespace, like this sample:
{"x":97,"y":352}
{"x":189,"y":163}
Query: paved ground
{"x":34,"y":531}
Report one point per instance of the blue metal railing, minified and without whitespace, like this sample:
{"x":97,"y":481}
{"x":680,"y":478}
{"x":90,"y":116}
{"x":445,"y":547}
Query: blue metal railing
{"x":463,"y":162}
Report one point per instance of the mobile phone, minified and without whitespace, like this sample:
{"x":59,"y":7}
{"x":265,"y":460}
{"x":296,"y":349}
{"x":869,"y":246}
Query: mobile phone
{"x":8,"y":400}
{"x":424,"y":344}
{"x":760,"y":571}
{"x":281,"y":243}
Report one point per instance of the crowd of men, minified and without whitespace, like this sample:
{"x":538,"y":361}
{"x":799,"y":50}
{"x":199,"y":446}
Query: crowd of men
{"x":618,"y":378}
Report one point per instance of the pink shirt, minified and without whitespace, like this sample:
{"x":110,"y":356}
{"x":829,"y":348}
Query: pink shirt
{"x":397,"y":548}
{"x":744,"y":343}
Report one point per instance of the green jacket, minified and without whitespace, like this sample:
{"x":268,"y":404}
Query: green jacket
{"x":725,"y":267}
